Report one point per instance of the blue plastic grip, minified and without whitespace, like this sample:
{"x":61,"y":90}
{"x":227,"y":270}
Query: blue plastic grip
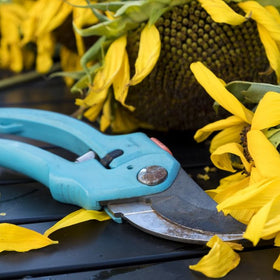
{"x":81,"y":183}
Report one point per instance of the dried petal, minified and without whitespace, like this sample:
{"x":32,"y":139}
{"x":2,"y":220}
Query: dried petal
{"x":20,"y":239}
{"x":77,"y":217}
{"x":220,"y":260}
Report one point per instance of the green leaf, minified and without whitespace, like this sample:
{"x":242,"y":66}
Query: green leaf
{"x":273,"y":136}
{"x":237,"y":87}
{"x":250,"y":92}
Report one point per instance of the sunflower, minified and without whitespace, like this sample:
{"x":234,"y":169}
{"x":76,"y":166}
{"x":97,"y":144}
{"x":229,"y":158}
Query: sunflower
{"x":161,"y":40}
{"x":252,"y":195}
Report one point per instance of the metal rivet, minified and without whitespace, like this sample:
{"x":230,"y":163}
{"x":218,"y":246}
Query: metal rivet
{"x":152,"y":175}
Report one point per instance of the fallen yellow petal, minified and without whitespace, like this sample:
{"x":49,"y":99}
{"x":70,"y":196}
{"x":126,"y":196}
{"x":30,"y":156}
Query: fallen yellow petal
{"x":235,"y":246}
{"x":218,"y":92}
{"x":220,"y":260}
{"x":221,"y":12}
{"x":276,"y":264}
{"x":20,"y":239}
{"x":149,"y":51}
{"x":277,"y":240}
{"x":77,"y":217}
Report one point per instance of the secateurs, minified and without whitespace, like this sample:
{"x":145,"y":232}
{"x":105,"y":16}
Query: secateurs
{"x":129,"y":176}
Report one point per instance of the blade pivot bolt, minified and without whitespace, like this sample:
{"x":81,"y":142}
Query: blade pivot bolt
{"x":152,"y":175}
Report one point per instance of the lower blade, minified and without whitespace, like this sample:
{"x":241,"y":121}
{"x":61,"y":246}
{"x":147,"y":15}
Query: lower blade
{"x":142,"y":216}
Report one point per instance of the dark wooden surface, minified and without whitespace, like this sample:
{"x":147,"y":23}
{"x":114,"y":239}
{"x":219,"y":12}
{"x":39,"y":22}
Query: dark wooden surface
{"x":106,"y":250}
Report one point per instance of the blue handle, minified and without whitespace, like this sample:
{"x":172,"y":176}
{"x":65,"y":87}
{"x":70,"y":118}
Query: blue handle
{"x":81,"y":183}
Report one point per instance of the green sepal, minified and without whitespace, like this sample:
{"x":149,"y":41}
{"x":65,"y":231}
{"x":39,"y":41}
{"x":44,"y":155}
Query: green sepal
{"x":99,"y":16}
{"x":91,"y":54}
{"x":85,"y":80}
{"x":110,"y":29}
{"x":130,"y":7}
{"x":105,"y":6}
{"x":76,"y":75}
{"x":157,"y":13}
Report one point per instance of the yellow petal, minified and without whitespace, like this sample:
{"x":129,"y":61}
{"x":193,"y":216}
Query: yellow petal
{"x":262,"y":16}
{"x":149,"y":51}
{"x":45,"y":49}
{"x":253,"y":197}
{"x":93,"y":112}
{"x":77,"y":217}
{"x":271,"y":49}
{"x":267,"y":113}
{"x":255,"y":176}
{"x":51,"y":11}
{"x":204,"y":132}
{"x":93,"y":98}
{"x":227,"y":135}
{"x":113,"y":62}
{"x":220,"y":260}
{"x":266,"y":157}
{"x":274,"y":12}
{"x":221,"y":12}
{"x":276,"y":264}
{"x":58,"y":18}
{"x":106,"y":117}
{"x":123,"y":122}
{"x":221,"y":156}
{"x":16,"y":64}
{"x":218,"y":92}
{"x":121,"y":81}
{"x":277,"y":240}
{"x":266,"y":222}
{"x":20,"y":239}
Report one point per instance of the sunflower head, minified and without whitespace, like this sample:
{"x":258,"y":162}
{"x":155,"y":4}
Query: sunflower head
{"x":228,"y":38}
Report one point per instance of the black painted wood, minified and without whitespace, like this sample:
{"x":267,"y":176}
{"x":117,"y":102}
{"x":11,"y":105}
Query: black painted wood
{"x":103,"y":250}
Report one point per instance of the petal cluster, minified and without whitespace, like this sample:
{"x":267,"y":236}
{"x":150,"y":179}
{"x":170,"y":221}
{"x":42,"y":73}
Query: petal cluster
{"x":252,"y":194}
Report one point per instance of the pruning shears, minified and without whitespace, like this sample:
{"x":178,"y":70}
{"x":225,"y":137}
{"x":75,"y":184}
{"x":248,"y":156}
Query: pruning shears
{"x":129,"y":176}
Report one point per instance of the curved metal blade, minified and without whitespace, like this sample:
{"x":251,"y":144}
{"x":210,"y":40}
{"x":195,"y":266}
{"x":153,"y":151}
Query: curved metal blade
{"x":142,"y":216}
{"x":186,"y":204}
{"x":184,"y":212}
